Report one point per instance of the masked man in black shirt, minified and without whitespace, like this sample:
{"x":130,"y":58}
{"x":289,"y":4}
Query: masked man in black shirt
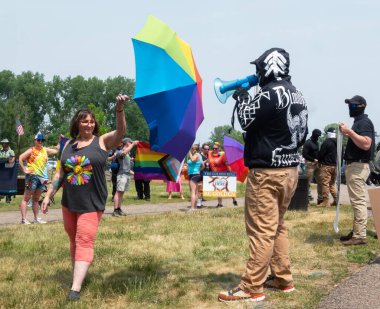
{"x":310,"y":153}
{"x":327,"y":168}
{"x":359,"y":152}
{"x":275,"y":122}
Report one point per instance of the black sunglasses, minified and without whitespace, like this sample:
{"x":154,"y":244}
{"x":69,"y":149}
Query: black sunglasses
{"x":353,"y":105}
{"x":40,"y":140}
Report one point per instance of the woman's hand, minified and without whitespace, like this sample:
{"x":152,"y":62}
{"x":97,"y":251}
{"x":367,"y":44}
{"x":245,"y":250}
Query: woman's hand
{"x":120,"y":101}
{"x":45,"y":204}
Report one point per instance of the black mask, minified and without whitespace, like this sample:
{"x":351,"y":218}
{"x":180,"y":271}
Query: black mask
{"x":355,"y":110}
{"x":314,"y":138}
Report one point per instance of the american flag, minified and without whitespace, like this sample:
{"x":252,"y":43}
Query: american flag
{"x":19,"y":128}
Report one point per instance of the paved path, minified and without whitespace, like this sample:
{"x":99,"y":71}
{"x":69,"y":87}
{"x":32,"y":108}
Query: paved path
{"x":359,"y":291}
{"x":13,"y":217}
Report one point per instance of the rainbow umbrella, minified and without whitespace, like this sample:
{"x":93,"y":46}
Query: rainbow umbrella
{"x":168,"y":88}
{"x":235,"y":157}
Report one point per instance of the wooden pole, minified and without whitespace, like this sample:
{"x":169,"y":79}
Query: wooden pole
{"x":18,"y":146}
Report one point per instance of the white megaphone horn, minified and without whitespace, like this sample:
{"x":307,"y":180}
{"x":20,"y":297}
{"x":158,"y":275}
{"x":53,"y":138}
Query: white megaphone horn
{"x":224,"y":89}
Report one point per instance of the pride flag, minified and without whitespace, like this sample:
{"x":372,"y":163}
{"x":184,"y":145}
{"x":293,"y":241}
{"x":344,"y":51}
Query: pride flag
{"x":150,"y":164}
{"x":235,"y":153}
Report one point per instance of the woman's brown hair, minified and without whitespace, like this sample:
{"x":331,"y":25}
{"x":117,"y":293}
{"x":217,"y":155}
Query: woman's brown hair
{"x":79,"y":115}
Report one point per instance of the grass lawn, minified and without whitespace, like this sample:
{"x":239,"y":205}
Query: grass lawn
{"x":172,"y":260}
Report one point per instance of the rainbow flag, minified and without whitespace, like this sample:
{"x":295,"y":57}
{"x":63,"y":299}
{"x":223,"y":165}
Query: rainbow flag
{"x":235,"y":157}
{"x":151,"y":164}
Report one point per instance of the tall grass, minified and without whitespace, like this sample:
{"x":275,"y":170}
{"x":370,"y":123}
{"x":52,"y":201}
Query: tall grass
{"x":172,"y":260}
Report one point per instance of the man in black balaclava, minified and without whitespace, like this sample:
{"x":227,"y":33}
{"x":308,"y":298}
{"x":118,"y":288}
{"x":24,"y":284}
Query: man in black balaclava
{"x":327,"y":168}
{"x":310,"y":153}
{"x":359,"y":152}
{"x":275,"y":125}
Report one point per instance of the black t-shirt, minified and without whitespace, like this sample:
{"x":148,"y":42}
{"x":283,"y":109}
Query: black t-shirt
{"x":207,"y":164}
{"x":310,"y":150}
{"x":364,"y":127}
{"x":85,"y":187}
{"x":328,"y":152}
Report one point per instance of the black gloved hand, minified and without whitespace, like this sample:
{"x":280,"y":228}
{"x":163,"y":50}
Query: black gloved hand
{"x":241,"y":94}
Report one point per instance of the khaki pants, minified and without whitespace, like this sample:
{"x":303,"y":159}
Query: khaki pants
{"x":268,"y":194}
{"x":356,"y":177}
{"x":312,"y":170}
{"x":327,"y":176}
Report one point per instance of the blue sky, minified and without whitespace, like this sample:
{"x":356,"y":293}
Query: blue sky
{"x":333,"y":45}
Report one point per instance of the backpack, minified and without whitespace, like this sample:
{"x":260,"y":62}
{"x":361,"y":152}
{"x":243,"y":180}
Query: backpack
{"x":115,"y":165}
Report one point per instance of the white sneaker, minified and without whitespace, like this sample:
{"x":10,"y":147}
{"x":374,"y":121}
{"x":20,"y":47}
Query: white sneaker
{"x":24,"y":221}
{"x":38,"y":221}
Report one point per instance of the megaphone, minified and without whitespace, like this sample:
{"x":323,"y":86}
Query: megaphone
{"x":224,"y":89}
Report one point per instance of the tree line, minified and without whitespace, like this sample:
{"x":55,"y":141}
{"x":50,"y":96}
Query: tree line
{"x":48,"y":106}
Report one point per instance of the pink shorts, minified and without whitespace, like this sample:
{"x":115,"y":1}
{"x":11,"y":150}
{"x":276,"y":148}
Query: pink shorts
{"x":81,"y":229}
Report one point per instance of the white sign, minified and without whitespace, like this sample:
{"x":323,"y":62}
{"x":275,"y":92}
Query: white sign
{"x":219,"y":184}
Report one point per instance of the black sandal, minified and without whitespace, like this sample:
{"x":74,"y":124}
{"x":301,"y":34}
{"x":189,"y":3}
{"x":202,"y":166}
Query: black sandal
{"x":73,"y":295}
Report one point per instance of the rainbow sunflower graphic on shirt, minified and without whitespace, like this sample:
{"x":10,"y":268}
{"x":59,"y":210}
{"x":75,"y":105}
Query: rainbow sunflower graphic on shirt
{"x":79,"y":170}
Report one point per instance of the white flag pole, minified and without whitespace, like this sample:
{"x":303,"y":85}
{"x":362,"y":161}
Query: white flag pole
{"x":339,"y":144}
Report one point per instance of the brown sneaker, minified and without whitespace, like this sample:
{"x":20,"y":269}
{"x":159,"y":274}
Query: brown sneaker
{"x":355,"y":241}
{"x":237,"y":294}
{"x":270,"y":284}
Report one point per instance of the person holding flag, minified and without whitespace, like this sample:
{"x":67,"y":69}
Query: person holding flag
{"x":358,"y":154}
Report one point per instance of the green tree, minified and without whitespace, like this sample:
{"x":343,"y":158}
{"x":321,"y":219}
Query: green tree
{"x":19,"y":101}
{"x":219,"y":132}
{"x":49,"y":106}
{"x":30,"y":88}
{"x":100,"y":118}
{"x":67,"y":96}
